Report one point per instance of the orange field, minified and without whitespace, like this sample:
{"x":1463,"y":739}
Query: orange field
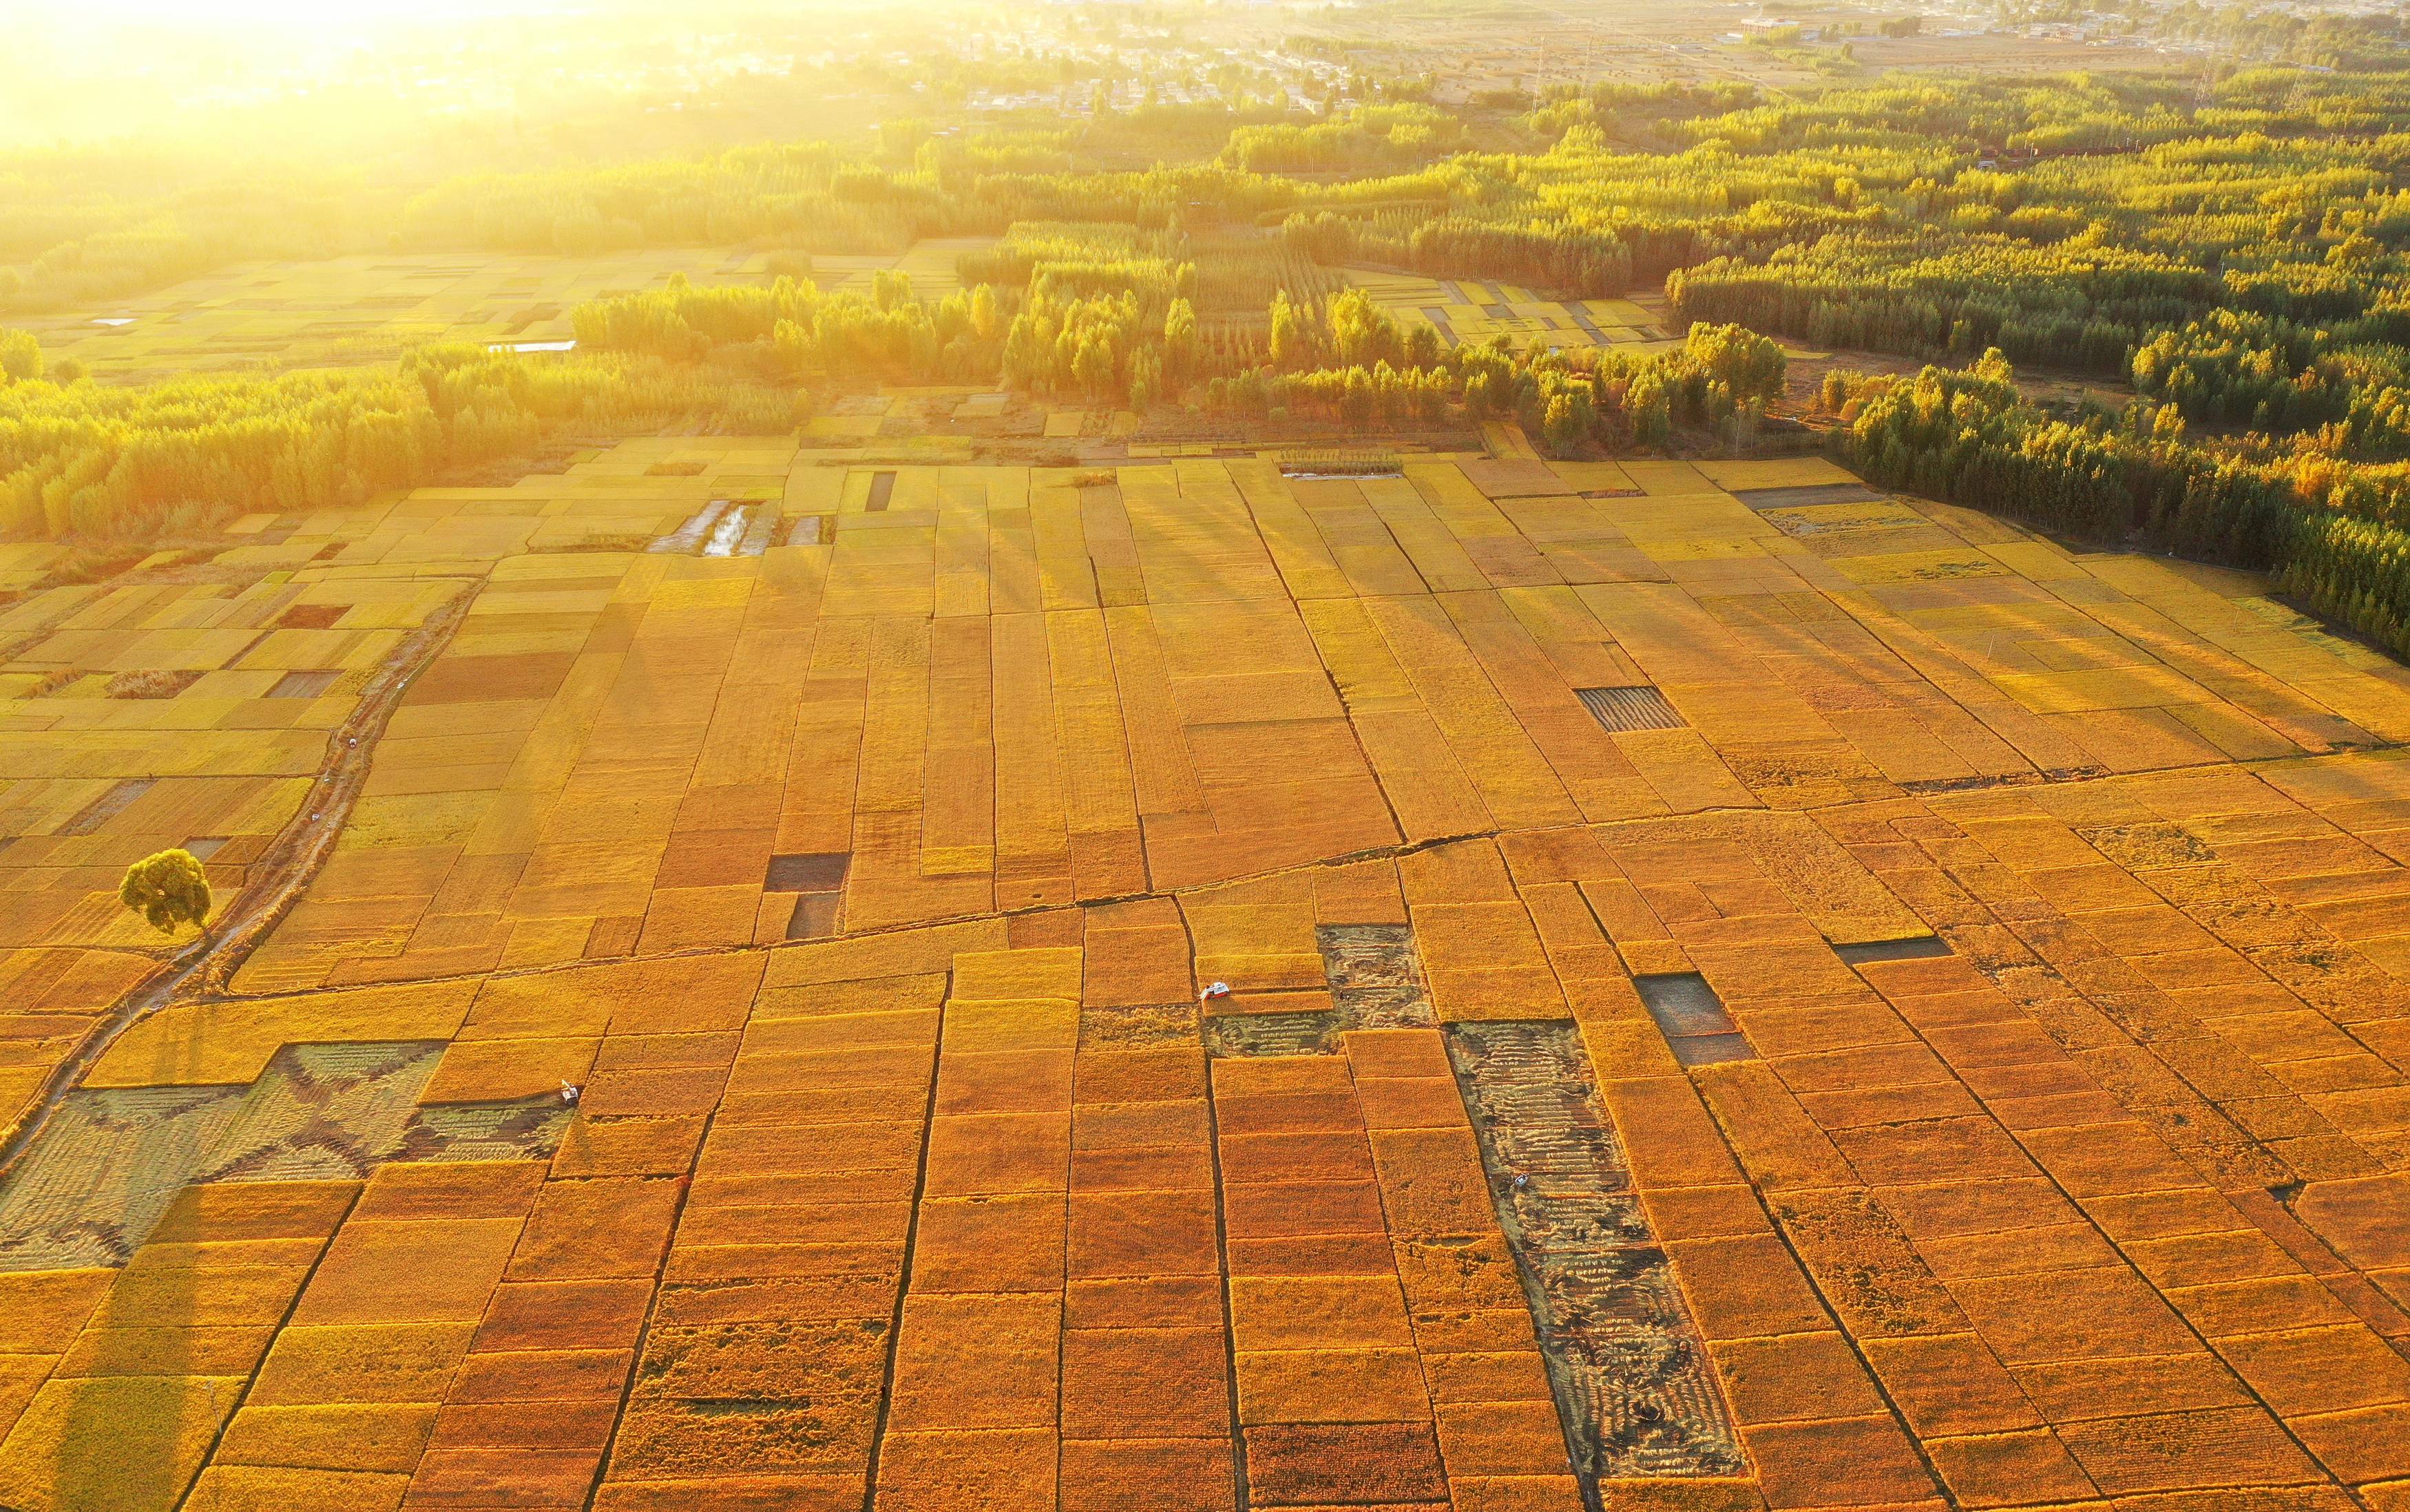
{"x":1498,"y":985}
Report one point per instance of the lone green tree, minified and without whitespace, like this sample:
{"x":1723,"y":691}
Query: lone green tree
{"x":169,"y":889}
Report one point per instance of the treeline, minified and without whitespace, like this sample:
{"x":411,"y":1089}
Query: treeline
{"x":1108,"y":330}
{"x":1102,"y":311}
{"x":1590,"y":220}
{"x":1970,"y":437}
{"x":1136,"y":345}
{"x":1967,"y":115}
{"x":1570,"y":262}
{"x":86,"y":227}
{"x":792,"y":329}
{"x":1356,"y":365}
{"x":2353,"y":571}
{"x":1637,"y":114}
{"x":93,"y":459}
{"x":1168,"y":195}
{"x":2327,"y":40}
{"x":1077,"y":259}
{"x":1027,"y":244}
{"x":133,"y":226}
{"x":2160,"y":208}
{"x":2332,"y":530}
{"x":1369,"y":138}
{"x":20,"y":357}
{"x":2080,"y":303}
{"x":1927,"y":217}
{"x":1118,"y":349}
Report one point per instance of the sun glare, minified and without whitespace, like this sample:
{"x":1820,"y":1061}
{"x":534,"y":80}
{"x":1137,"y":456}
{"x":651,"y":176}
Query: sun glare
{"x":300,"y":15}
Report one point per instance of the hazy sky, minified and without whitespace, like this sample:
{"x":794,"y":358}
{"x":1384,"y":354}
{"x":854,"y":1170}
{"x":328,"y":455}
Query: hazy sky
{"x":85,"y":70}
{"x":306,"y":15}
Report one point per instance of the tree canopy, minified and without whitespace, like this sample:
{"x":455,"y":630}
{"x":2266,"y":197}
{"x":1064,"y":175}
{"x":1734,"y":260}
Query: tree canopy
{"x":169,"y":889}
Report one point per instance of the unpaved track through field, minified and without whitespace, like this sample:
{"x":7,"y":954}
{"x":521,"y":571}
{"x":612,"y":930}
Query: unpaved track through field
{"x":203,"y":967}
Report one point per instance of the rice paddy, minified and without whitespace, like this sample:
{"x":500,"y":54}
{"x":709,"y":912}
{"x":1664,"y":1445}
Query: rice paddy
{"x":1172,"y":982}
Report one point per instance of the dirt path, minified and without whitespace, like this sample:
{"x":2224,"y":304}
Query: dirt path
{"x":204,"y":967}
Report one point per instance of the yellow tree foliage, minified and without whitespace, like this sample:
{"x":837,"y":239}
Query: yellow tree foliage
{"x":169,"y":889}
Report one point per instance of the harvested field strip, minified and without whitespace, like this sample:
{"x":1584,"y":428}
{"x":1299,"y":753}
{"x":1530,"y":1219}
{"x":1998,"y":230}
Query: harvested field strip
{"x":1816,"y":493}
{"x":117,"y":800}
{"x":1633,"y":1381}
{"x":114,"y":1158}
{"x":1692,"y":1019}
{"x":1629,"y":709}
{"x":729,"y":531}
{"x":1375,"y":983}
{"x":1919,"y":947}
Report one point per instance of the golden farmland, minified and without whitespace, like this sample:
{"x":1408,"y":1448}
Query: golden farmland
{"x":1204,"y":757}
{"x":866,"y":885}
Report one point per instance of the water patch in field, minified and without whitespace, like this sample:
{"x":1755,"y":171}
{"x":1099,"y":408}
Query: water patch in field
{"x":686,"y":538}
{"x":729,"y":531}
